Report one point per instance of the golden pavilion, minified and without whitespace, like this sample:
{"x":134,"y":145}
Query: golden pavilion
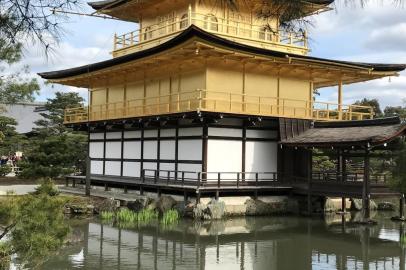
{"x":207,"y":98}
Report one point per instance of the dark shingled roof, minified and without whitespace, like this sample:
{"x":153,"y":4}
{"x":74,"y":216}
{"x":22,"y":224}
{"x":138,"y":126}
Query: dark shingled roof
{"x":194,"y":31}
{"x":349,"y":133}
{"x":116,"y":3}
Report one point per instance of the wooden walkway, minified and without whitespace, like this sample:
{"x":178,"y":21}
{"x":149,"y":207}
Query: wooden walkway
{"x":189,"y":187}
{"x":192,"y":184}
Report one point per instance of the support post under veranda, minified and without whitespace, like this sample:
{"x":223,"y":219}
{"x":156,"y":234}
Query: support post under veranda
{"x":366,"y":196}
{"x":88,"y":164}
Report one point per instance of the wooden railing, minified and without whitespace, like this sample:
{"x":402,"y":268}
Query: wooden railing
{"x":215,"y":101}
{"x":225,"y":27}
{"x":209,"y":179}
{"x":377,"y":178}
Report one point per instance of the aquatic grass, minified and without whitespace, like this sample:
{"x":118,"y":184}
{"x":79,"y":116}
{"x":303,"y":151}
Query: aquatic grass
{"x":107,"y":216}
{"x":170,"y":217}
{"x":125,"y":215}
{"x":147,"y":216}
{"x":126,"y":218}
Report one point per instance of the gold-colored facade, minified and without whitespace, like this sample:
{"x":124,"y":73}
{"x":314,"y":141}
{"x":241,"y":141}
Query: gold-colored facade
{"x":201,"y":75}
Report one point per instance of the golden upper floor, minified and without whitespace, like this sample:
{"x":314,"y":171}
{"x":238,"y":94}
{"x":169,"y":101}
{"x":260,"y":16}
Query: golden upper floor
{"x":159,"y":21}
{"x":199,"y":71}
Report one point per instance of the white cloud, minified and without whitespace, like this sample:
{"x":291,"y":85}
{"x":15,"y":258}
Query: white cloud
{"x":374,"y":34}
{"x":388,"y":38}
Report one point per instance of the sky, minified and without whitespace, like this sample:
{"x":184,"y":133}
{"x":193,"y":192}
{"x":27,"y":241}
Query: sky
{"x":375,"y":33}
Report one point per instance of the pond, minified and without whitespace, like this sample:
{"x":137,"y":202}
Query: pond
{"x":238,"y":243}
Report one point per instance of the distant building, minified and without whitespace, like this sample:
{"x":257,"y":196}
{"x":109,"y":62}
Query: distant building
{"x":26,"y":114}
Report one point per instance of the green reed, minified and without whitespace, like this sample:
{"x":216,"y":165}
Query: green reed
{"x":170,"y":217}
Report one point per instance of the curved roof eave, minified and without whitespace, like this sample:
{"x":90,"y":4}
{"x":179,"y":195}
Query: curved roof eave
{"x":194,"y":31}
{"x":97,"y":5}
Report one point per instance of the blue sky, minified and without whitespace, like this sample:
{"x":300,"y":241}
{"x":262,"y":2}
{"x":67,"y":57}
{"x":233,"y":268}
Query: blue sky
{"x":376,"y":33}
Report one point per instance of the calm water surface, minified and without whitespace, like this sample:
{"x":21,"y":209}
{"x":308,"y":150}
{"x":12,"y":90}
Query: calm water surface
{"x":241,"y":243}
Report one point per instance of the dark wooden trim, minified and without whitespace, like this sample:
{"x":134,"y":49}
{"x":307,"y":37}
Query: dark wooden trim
{"x":122,"y":153}
{"x":104,"y":152}
{"x":142,"y":151}
{"x":205,"y":148}
{"x":158,"y":155}
{"x":177,"y":149}
{"x":148,"y":160}
{"x":244,"y":150}
{"x":151,"y":139}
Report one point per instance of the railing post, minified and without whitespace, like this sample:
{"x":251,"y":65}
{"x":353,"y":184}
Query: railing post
{"x":238,"y":179}
{"x":305,"y":39}
{"x":155,"y":176}
{"x":199,"y":179}
{"x":183,"y":178}
{"x":190,"y":15}
{"x":218,"y":179}
{"x":168,"y":177}
{"x":143,"y":176}
{"x":256,"y":179}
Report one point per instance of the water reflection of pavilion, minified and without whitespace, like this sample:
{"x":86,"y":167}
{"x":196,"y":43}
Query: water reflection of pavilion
{"x":277,"y":243}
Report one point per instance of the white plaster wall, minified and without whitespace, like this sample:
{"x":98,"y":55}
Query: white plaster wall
{"x":150,"y":166}
{"x":190,"y":150}
{"x":96,"y":149}
{"x":262,"y":134}
{"x":261,"y":157}
{"x":194,"y":168}
{"x":132,"y":134}
{"x":96,"y":167}
{"x":150,"y":149}
{"x":97,"y":136}
{"x":132,"y":150}
{"x":113,"y":149}
{"x":167,"y":167}
{"x":113,"y":135}
{"x":113,"y":168}
{"x":168,"y":150}
{"x":224,"y":156}
{"x":197,"y":131}
{"x":132,"y":169}
{"x":151,"y":133}
{"x":168,"y":133}
{"x":227,"y":132}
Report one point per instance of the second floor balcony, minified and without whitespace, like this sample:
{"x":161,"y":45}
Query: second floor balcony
{"x":239,"y":31}
{"x":222,"y":102}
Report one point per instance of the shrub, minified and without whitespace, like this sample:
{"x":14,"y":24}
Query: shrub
{"x":5,"y":170}
{"x":47,"y":186}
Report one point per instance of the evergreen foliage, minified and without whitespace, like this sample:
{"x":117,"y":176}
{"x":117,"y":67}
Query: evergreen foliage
{"x":33,"y":227}
{"x":399,"y":170}
{"x":56,"y":150}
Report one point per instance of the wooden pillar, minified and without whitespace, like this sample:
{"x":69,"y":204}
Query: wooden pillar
{"x":340,"y":175}
{"x":309,"y":182}
{"x":340,"y":100}
{"x":366,"y":189}
{"x":205,"y":149}
{"x":88,"y":164}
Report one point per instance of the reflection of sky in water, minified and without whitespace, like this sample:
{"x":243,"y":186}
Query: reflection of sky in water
{"x":78,"y":259}
{"x":389,"y":234}
{"x":275,"y":243}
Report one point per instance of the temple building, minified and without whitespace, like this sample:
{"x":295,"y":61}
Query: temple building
{"x":209,"y":98}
